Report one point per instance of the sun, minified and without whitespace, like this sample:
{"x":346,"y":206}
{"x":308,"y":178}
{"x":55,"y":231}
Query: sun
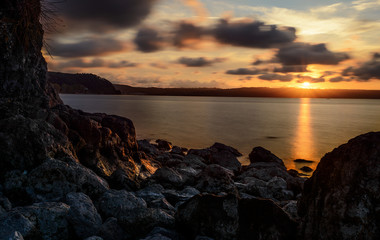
{"x":305,"y":85}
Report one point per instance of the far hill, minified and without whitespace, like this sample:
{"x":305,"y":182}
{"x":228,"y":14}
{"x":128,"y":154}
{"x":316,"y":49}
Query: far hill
{"x":251,"y":92}
{"x":83,"y":83}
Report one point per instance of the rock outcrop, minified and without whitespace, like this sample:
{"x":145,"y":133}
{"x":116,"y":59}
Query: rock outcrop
{"x":342,"y":198}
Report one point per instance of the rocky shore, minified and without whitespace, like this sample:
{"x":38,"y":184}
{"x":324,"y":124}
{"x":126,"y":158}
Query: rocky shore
{"x":67,"y":174}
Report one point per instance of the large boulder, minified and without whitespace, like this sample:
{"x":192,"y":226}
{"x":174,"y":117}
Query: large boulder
{"x":341,"y":200}
{"x":51,"y":181}
{"x":216,"y":179}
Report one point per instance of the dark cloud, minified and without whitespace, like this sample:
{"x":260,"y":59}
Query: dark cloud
{"x":245,"y":71}
{"x":339,"y":79}
{"x":291,"y":68}
{"x":186,"y":31}
{"x":199,"y":62}
{"x":149,"y":40}
{"x":95,"y":63}
{"x":302,"y":79}
{"x":253,"y":34}
{"x":91,"y":47}
{"x":258,"y":62}
{"x":275,"y":76}
{"x":367,"y":71}
{"x":305,"y":53}
{"x":99,"y":15}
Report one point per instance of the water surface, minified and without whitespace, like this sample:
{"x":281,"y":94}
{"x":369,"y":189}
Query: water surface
{"x":290,"y":128}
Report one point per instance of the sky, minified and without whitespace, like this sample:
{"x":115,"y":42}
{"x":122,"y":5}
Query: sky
{"x":218,"y":43}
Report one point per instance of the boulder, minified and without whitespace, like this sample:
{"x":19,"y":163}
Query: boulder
{"x":83,"y":215}
{"x":13,"y":222}
{"x":168,"y":177}
{"x":260,"y":154}
{"x":52,"y":180}
{"x":164,"y":145}
{"x":111,"y":230}
{"x":216,"y":179}
{"x":147,"y":147}
{"x":341,"y":200}
{"x":209,"y":215}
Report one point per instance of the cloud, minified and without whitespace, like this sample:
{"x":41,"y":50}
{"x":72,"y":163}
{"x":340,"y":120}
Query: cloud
{"x":199,"y":62}
{"x":99,"y":15}
{"x":149,"y":40}
{"x":249,"y":33}
{"x":185,"y":32}
{"x":302,"y":79}
{"x":339,"y":79}
{"x":89,"y":47}
{"x":367,"y":71}
{"x":291,"y":68}
{"x":95,"y":63}
{"x":275,"y":76}
{"x":245,"y":71}
{"x":253,"y":34}
{"x":306,"y":53}
{"x":198,"y":8}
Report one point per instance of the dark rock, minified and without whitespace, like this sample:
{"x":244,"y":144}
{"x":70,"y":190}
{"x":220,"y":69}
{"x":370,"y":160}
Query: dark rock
{"x":161,"y":203}
{"x":15,"y":236}
{"x":83,"y":215}
{"x":203,"y":153}
{"x":220,"y":147}
{"x":292,"y":209}
{"x":164,"y":145}
{"x":111,"y":230}
{"x":5,"y":204}
{"x":159,"y":233}
{"x":151,"y":193}
{"x":12,"y":222}
{"x":175,"y":198}
{"x":54,"y":179}
{"x":178,"y":150}
{"x":194,"y":161}
{"x":209,"y":215}
{"x":94,"y":238}
{"x":216,"y":179}
{"x":147,"y":147}
{"x":260,"y":154}
{"x":306,"y":169}
{"x":39,"y":221}
{"x":263,"y":219}
{"x":302,"y":161}
{"x":25,"y":143}
{"x":294,"y":173}
{"x":168,"y":177}
{"x":275,"y":189}
{"x":341,"y":200}
{"x":119,"y":180}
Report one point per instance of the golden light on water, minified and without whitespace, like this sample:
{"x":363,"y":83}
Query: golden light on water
{"x":303,"y":143}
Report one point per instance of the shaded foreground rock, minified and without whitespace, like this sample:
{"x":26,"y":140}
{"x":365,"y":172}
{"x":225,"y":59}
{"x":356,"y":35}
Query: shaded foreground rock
{"x":342,"y":198}
{"x":228,"y":217}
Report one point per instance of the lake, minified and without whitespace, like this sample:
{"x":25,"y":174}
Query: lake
{"x":290,"y":128}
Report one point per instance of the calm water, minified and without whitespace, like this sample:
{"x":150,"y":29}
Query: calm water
{"x":290,"y":128}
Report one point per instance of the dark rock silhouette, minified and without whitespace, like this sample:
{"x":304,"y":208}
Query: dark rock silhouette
{"x":341,"y":200}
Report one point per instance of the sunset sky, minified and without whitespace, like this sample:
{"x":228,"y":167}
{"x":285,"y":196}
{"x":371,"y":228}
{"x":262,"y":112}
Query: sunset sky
{"x":219,"y":43}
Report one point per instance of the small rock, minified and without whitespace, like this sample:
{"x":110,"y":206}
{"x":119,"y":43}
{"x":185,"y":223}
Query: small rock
{"x":260,"y":154}
{"x":306,"y":169}
{"x":164,"y":145}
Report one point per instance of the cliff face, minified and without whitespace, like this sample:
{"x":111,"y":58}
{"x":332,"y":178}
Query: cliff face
{"x":23,"y":68}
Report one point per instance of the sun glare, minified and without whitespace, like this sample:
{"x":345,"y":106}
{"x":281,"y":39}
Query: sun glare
{"x":305,"y":85}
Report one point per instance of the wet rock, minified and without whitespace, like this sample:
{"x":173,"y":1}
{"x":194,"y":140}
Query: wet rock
{"x":260,"y":154}
{"x":111,"y":230}
{"x":216,"y":179}
{"x":341,"y":200}
{"x":83,"y":215}
{"x":164,"y":145}
{"x":209,"y":215}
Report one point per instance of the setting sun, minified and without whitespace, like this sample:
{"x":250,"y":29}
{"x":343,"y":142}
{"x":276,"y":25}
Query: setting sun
{"x":305,"y":85}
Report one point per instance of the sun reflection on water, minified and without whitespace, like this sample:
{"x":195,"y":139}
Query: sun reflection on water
{"x":303,"y":143}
